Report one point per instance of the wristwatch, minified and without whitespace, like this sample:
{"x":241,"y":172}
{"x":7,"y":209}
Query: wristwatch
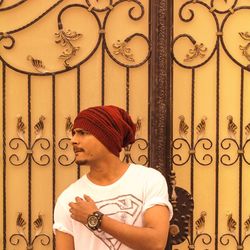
{"x":94,"y":220}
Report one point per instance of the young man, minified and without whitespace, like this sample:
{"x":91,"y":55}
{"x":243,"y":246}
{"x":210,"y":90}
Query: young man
{"x":116,"y":206}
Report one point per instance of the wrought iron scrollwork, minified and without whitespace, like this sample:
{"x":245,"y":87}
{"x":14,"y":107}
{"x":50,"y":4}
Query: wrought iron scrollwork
{"x":245,"y":49}
{"x":142,"y":145}
{"x":244,"y":35}
{"x":183,"y":143}
{"x":231,"y":225}
{"x":16,"y":143}
{"x":134,"y":63}
{"x":7,"y":36}
{"x":65,"y":144}
{"x":231,"y":142}
{"x":64,"y":159}
{"x":38,"y":227}
{"x":198,"y":49}
{"x":66,"y":37}
{"x":12,"y":6}
{"x":95,"y":8}
{"x":204,"y":237}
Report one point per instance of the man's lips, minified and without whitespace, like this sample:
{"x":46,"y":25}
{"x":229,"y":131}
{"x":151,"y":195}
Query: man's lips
{"x":77,"y":150}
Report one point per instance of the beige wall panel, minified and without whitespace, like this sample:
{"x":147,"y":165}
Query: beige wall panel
{"x":90,"y":82}
{"x":116,"y":84}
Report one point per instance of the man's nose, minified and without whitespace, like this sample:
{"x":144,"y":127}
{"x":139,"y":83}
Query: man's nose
{"x":73,"y":139}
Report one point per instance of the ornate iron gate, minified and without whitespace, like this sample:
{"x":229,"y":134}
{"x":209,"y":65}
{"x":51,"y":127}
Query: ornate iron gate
{"x":209,"y":103}
{"x":46,"y":79}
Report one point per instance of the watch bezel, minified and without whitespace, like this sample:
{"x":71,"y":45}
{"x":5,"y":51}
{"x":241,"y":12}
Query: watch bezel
{"x":98,"y":217}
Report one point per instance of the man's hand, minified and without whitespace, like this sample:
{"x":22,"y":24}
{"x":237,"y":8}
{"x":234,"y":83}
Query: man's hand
{"x":81,"y":209}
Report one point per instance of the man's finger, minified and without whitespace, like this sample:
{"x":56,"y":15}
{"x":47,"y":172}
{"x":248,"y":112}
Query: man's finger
{"x":87,"y":198}
{"x":78,"y":199}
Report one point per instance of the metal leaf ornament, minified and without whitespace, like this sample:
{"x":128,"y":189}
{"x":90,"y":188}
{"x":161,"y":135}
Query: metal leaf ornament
{"x":38,"y":225}
{"x":245,"y":35}
{"x":68,"y":127}
{"x":37,"y":64}
{"x":183,"y":127}
{"x":20,"y":127}
{"x":201,"y":128}
{"x":64,"y":39}
{"x":200,"y":223}
{"x":247,"y":131}
{"x":247,"y":224}
{"x":20,"y":224}
{"x":231,"y":127}
{"x":198,"y":51}
{"x":39,"y":126}
{"x":122,"y":49}
{"x":231,"y":223}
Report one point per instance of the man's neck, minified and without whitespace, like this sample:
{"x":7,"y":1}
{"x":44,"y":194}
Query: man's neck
{"x":107,"y":172}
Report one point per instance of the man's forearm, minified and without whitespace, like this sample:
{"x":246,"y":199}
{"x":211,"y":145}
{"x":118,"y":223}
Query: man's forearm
{"x":138,"y":238}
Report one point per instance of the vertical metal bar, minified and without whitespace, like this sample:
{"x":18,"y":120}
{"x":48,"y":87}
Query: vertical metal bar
{"x":158,"y":118}
{"x":169,"y":128}
{"x":192,"y":147}
{"x":217,"y":147}
{"x":170,"y":93}
{"x":78,"y":107}
{"x":240,"y":159}
{"x":29,"y":161}
{"x":4,"y":153}
{"x":150,"y":10}
{"x":127,"y":89}
{"x":103,"y":70}
{"x":53,"y":149}
{"x":170,"y":14}
{"x":78,"y":89}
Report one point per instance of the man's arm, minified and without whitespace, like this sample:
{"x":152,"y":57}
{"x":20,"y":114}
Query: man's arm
{"x":152,"y":236}
{"x":64,"y":241}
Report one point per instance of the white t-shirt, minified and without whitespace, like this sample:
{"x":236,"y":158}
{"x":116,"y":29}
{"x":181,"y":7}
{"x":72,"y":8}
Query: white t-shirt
{"x":125,"y":200}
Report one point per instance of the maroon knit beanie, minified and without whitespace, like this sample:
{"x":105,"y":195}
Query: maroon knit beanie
{"x":111,"y":125}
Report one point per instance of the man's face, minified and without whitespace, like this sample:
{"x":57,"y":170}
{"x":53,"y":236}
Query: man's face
{"x":88,"y":149}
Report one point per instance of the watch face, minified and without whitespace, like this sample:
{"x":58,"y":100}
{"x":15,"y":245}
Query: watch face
{"x":92,"y":221}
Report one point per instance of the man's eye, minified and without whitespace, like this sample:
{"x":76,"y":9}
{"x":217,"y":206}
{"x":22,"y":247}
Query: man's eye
{"x":83,"y":132}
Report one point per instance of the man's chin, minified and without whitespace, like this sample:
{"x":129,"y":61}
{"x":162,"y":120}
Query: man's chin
{"x":81,"y":162}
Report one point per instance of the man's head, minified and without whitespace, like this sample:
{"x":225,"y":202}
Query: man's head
{"x":111,"y":125}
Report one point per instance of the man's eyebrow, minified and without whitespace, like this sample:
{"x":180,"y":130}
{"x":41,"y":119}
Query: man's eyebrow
{"x":80,"y":130}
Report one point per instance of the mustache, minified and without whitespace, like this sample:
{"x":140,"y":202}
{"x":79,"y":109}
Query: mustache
{"x":77,"y":149}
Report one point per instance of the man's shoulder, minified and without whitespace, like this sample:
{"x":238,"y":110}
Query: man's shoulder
{"x":144,"y":170}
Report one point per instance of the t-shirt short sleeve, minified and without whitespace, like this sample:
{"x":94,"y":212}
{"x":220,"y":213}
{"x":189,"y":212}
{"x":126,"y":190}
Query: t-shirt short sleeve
{"x":156,"y":192}
{"x":62,"y":219}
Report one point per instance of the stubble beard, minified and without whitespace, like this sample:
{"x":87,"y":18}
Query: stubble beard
{"x":81,"y":162}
